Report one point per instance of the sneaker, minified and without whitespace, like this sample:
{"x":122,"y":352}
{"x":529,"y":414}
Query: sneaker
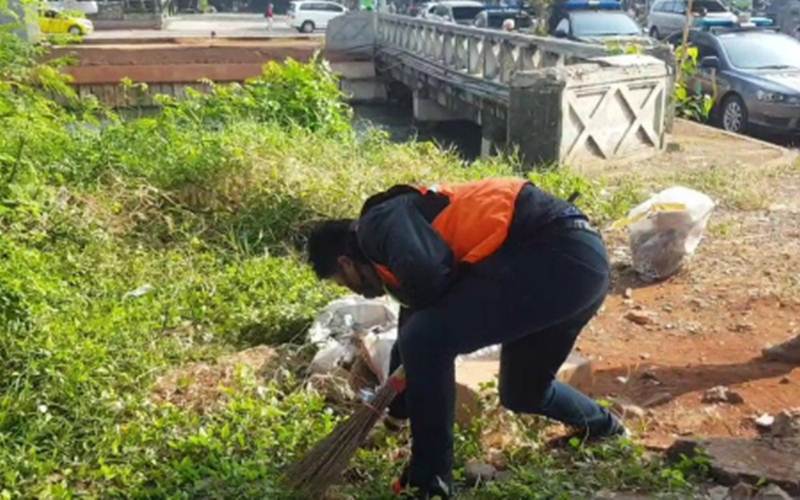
{"x":438,"y":490}
{"x":788,"y":352}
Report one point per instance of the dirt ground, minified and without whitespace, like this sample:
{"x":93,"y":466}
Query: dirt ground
{"x":740,"y":293}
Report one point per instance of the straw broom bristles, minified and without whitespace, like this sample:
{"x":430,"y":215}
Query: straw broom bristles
{"x":324,"y":463}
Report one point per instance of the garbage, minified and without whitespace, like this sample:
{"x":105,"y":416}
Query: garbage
{"x":139,"y":292}
{"x":351,"y":329}
{"x":665,"y":230}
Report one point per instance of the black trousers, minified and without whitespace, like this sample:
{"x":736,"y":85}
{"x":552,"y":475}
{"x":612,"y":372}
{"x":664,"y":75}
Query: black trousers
{"x":533,"y":297}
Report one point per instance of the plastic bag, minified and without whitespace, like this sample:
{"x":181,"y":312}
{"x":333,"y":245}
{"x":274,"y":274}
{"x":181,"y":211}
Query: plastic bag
{"x":354,"y":327}
{"x":666,"y":229}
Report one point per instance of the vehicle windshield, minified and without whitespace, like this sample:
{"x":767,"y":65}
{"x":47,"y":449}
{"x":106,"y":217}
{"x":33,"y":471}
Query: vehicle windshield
{"x":466,"y":13}
{"x":496,"y":20}
{"x":762,"y":51}
{"x":587,"y":24}
{"x":709,"y":6}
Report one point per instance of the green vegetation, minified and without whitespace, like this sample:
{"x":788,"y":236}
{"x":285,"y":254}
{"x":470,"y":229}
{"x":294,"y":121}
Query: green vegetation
{"x":691,"y":103}
{"x":199,"y":210}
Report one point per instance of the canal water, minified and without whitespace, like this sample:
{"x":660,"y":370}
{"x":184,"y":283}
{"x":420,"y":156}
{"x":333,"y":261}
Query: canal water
{"x":396,"y":118}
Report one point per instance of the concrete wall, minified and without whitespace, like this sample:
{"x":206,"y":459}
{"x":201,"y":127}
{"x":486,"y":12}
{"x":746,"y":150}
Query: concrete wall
{"x":613,"y":107}
{"x":112,"y":15}
{"x":352,"y":36}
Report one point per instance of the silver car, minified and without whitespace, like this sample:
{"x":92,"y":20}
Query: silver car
{"x":668,"y":17}
{"x":755,"y":75}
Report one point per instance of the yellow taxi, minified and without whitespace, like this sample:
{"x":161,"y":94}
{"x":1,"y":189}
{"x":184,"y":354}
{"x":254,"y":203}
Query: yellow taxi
{"x":52,"y":22}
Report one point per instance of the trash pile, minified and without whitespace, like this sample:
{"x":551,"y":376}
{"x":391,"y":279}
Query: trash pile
{"x":355,"y":336}
{"x":666,"y":229}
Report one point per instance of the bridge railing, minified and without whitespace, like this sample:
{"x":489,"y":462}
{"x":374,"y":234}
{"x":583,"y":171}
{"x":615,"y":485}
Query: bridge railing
{"x":490,"y":55}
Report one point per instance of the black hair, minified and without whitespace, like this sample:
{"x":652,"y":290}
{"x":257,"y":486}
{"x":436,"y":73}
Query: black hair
{"x":330,"y":240}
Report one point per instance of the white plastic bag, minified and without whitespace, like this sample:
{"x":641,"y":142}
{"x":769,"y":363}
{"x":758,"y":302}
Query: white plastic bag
{"x":666,"y":229}
{"x":346,"y":326}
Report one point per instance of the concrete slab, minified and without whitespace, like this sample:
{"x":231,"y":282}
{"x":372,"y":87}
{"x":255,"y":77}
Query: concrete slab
{"x":471,"y":374}
{"x":751,"y":460}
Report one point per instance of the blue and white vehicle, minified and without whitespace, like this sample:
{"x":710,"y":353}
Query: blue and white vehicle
{"x":595,"y":21}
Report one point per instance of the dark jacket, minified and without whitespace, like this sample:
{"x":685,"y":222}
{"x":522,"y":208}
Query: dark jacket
{"x":399,"y":232}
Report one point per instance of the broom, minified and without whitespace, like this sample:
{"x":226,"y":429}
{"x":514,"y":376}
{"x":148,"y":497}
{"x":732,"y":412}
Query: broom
{"x":325,"y":462}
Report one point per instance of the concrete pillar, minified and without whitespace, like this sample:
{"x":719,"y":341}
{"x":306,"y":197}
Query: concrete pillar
{"x":493,"y":134}
{"x":535,"y":120}
{"x":428,"y":110}
{"x":359,"y":81}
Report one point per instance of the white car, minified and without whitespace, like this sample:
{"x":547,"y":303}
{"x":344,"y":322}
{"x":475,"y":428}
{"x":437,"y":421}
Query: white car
{"x":668,"y":17}
{"x":88,"y":7}
{"x":460,"y":12}
{"x":308,"y":16}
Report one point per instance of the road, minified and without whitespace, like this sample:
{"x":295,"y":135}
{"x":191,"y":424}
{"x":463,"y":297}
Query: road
{"x":226,"y":25}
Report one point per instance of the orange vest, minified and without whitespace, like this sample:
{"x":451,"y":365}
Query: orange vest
{"x":476,"y":221}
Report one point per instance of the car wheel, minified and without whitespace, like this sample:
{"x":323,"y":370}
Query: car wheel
{"x":654,"y":33}
{"x":307,"y":27}
{"x":74,"y":30}
{"x":733,"y":115}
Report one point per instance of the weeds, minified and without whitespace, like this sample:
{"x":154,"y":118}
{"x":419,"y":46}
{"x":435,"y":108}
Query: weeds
{"x":200,"y":207}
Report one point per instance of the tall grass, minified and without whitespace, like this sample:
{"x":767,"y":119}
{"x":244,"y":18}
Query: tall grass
{"x":199,"y":209}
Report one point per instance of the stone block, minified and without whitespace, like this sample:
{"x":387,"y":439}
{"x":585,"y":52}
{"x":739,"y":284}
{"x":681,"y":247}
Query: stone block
{"x":471,"y":374}
{"x":775,"y":461}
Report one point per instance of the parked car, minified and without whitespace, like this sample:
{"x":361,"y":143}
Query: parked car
{"x":455,"y":11}
{"x":786,"y":15}
{"x":88,"y":7}
{"x":668,"y":17}
{"x":595,"y":22}
{"x":425,"y":9}
{"x":52,"y":21}
{"x":756,"y":73}
{"x":308,"y":16}
{"x":494,"y":18}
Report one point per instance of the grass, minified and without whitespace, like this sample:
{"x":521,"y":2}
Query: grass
{"x":201,"y":208}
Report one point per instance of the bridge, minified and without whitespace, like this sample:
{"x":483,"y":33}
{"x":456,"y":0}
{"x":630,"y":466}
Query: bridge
{"x":553,"y":100}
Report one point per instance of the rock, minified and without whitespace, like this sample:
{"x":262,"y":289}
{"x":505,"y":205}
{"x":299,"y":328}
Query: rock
{"x":644,"y":356}
{"x":628,"y":293}
{"x":478,"y":472}
{"x":642,"y":317}
{"x":698,"y":303}
{"x":719,"y":493}
{"x":721,"y":394}
{"x":772,"y":492}
{"x":622,"y":380}
{"x":627,"y":409}
{"x":784,"y":380}
{"x":734,"y":460}
{"x":649,"y":376}
{"x":787,"y":352}
{"x":786,"y":425}
{"x":765,"y":421}
{"x":657,"y":399}
{"x":741,"y":491}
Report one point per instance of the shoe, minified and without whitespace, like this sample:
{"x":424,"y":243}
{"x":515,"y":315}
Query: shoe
{"x":616,"y":429}
{"x":788,"y":352}
{"x":438,"y":490}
